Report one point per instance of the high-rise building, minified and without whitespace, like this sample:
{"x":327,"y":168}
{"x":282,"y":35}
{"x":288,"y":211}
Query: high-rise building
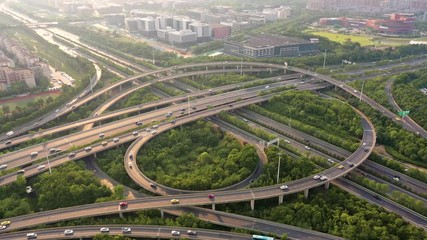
{"x":202,"y":30}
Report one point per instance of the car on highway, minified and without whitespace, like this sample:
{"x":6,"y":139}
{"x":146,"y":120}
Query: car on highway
{"x":267,"y":87}
{"x":5,"y":223}
{"x":307,"y":147}
{"x":172,"y":121}
{"x":364,"y":144}
{"x":68,"y":232}
{"x":41,"y":167}
{"x":211,"y":196}
{"x":35,"y":124}
{"x":131,"y":156}
{"x":315,"y":177}
{"x":8,"y":142}
{"x":116,"y":139}
{"x":153,"y":132}
{"x":323,"y":178}
{"x":153,"y":185}
{"x":396,"y":178}
{"x":340,"y":166}
{"x":175,"y":201}
{"x":52,"y":150}
{"x":104,"y":229}
{"x":104,"y":143}
{"x":31,"y":235}
{"x":175,"y":233}
{"x":88,"y":149}
{"x":376,"y":196}
{"x":330,"y":161}
{"x":155,"y":126}
{"x":126,"y":230}
{"x":284,"y":187}
{"x":350,"y":164}
{"x":101,"y":135}
{"x":123,"y":204}
{"x":2,"y":227}
{"x":33,"y":154}
{"x":57,"y":110}
{"x":191,"y":232}
{"x":72,"y":154}
{"x":130,"y":164}
{"x":22,"y":171}
{"x":355,"y":90}
{"x":135,"y":133}
{"x":3,"y":166}
{"x":138,"y":123}
{"x":10,"y":133}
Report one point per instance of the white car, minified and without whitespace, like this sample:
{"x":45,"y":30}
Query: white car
{"x":126,"y":230}
{"x":88,"y":149}
{"x":315,"y":177}
{"x":323,"y":178}
{"x":10,"y":133}
{"x":116,"y":140}
{"x":68,"y":232}
{"x":284,"y":187}
{"x":3,"y":166}
{"x":307,"y":147}
{"x":267,"y":87}
{"x":40,"y":167}
{"x":175,"y":233}
{"x":191,"y":232}
{"x":104,"y":229}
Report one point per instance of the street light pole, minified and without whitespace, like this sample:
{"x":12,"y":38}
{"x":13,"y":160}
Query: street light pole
{"x":361,"y":92}
{"x":278,"y":169}
{"x":324,"y":59}
{"x":188,"y":104}
{"x":48,"y":162}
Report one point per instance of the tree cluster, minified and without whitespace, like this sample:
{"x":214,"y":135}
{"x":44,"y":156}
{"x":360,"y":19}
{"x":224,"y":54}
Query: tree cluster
{"x":198,"y":156}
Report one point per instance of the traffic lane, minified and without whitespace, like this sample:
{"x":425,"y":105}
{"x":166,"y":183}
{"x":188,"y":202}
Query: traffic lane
{"x":234,"y":220}
{"x":395,"y":188}
{"x":136,"y":231}
{"x":417,"y":219}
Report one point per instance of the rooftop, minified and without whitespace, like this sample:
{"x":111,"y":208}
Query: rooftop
{"x":271,"y":40}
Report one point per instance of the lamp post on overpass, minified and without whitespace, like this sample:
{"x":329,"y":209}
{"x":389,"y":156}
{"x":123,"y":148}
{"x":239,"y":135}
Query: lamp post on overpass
{"x":361,"y":91}
{"x":48,"y":162}
{"x":324,"y":59}
{"x":278,"y":168}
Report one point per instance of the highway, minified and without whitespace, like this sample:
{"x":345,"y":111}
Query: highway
{"x":229,"y":219}
{"x":360,"y":191}
{"x":200,"y":199}
{"x":22,"y":156}
{"x":414,"y":184}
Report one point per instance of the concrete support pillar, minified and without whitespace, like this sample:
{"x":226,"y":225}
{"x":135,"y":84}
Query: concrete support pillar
{"x":192,"y":77}
{"x":306,"y":193}
{"x":185,"y":69}
{"x":253,"y":204}
{"x":271,"y":71}
{"x":162,"y":214}
{"x":223,"y":67}
{"x":237,"y":67}
{"x":284,"y":71}
{"x":327,"y":185}
{"x":251,"y":67}
{"x":121,"y":214}
{"x":213,"y":207}
{"x":206,"y":68}
{"x":120,"y":87}
{"x":94,"y":155}
{"x":281,"y":199}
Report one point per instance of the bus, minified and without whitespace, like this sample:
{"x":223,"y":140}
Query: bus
{"x":259,"y":237}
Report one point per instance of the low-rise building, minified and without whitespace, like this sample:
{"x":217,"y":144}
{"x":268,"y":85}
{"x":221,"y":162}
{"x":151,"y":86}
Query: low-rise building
{"x":9,"y":76}
{"x":271,"y":46}
{"x":182,"y":38}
